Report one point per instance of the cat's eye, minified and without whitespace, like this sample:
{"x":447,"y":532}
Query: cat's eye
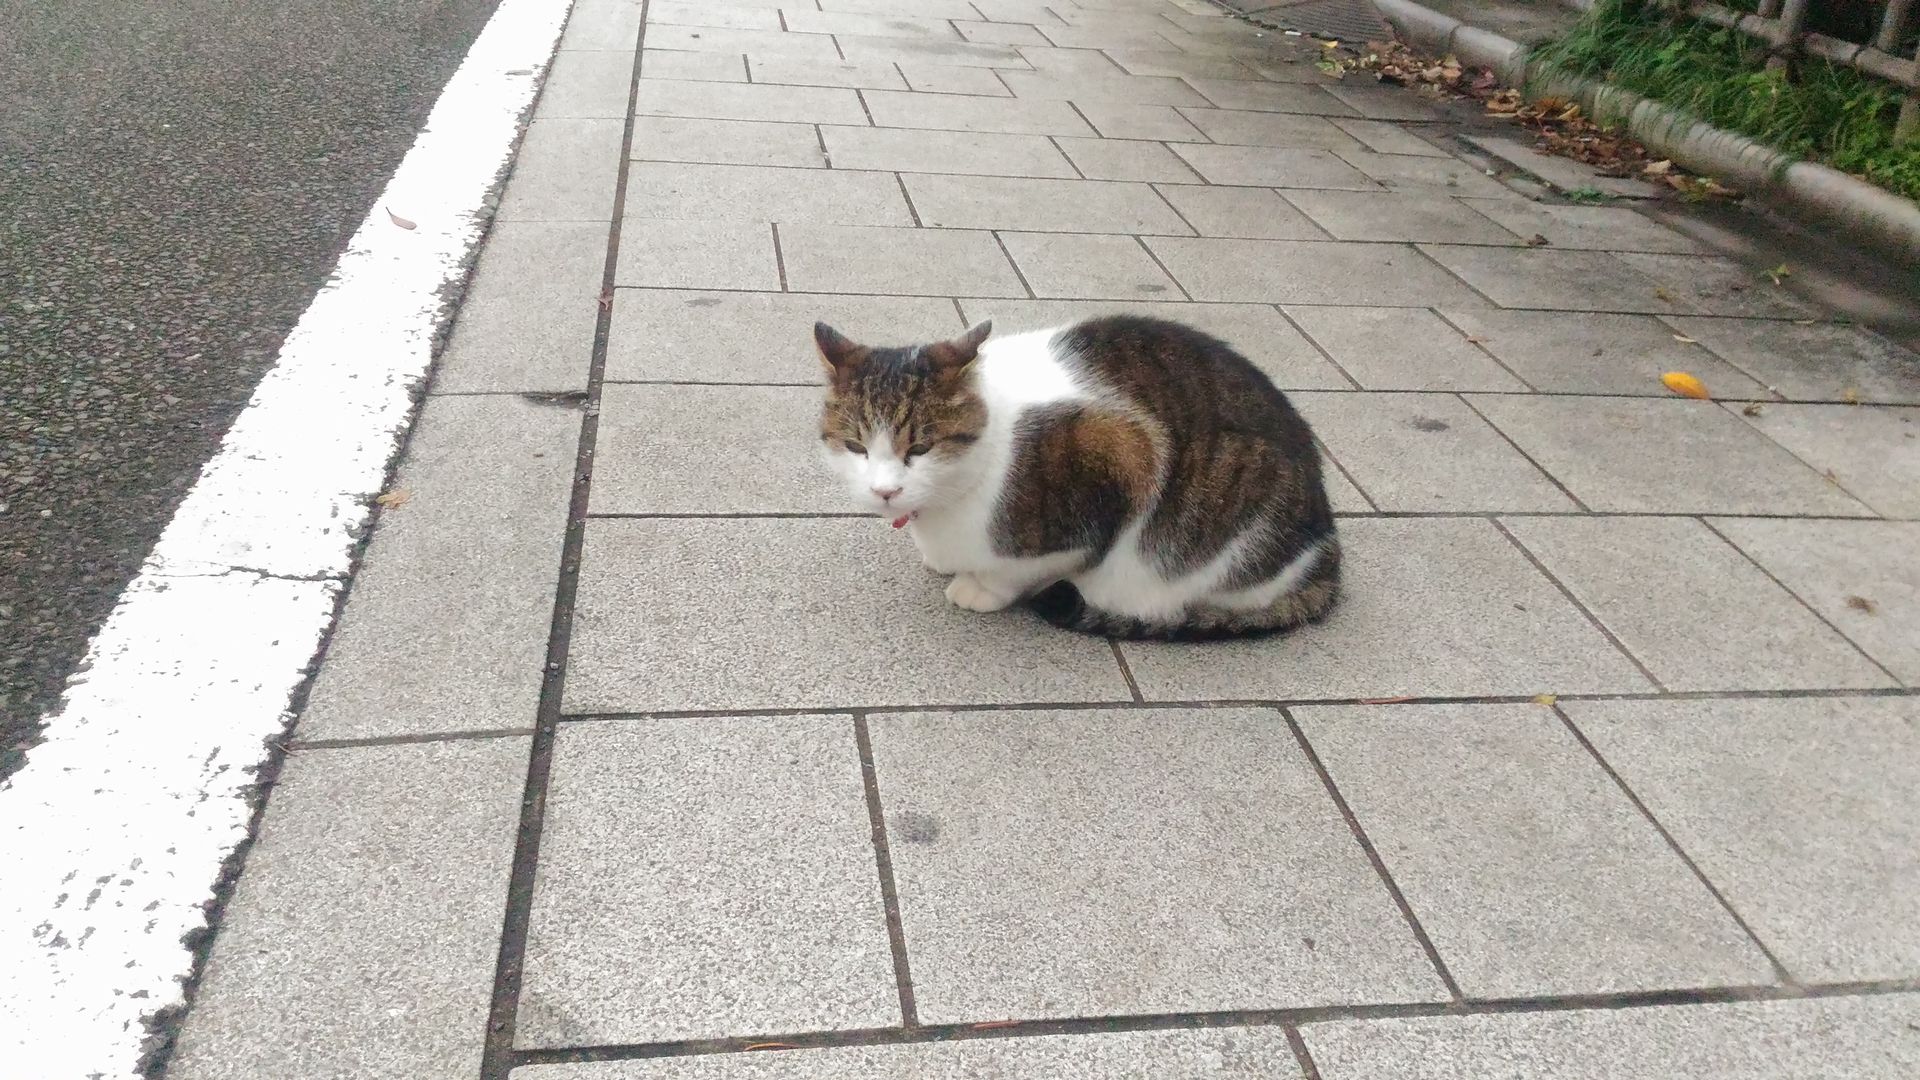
{"x":854,"y":447}
{"x":918,"y":450}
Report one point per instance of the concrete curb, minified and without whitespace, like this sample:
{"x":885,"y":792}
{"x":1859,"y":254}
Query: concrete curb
{"x":1865,"y":213}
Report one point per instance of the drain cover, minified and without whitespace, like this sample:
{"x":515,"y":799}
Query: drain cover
{"x":1337,"y":20}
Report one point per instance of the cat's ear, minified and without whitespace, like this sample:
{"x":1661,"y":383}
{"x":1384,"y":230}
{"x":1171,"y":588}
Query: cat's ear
{"x":837,"y":351}
{"x":958,"y":353}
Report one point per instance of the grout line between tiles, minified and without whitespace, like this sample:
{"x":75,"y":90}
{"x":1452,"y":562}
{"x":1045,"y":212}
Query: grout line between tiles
{"x":1466,"y":400}
{"x":1612,"y":638}
{"x":497,"y":1053}
{"x":779,"y":256}
{"x":1779,"y":969}
{"x":1126,"y":671}
{"x":1373,"y":857}
{"x":1142,"y":243}
{"x":1017,"y":272}
{"x":1308,"y":1069}
{"x":883,"y":862}
{"x":297,"y":745}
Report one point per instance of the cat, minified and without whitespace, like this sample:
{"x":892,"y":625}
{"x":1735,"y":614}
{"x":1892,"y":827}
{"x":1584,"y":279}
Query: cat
{"x":1125,"y":476}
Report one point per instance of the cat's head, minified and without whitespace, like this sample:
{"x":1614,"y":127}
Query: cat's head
{"x":899,"y":423}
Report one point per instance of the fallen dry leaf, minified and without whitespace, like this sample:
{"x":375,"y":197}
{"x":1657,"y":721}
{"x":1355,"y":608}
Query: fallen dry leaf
{"x":1753,"y":408}
{"x":396,"y":498}
{"x":1851,"y":395}
{"x":1832,"y":477}
{"x":1536,"y":240}
{"x":989,"y":1025}
{"x":1476,"y":341}
{"x":1861,"y":603}
{"x":1386,"y":700}
{"x":400,"y":221}
{"x":1684,"y":339}
{"x":1685,"y":385}
{"x":1545,"y":699}
{"x":1661,"y":293}
{"x":1657,"y":168}
{"x":771,"y":1046}
{"x":1779,"y":273}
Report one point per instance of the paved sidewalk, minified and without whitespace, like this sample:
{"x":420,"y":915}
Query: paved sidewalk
{"x":1604,"y":767}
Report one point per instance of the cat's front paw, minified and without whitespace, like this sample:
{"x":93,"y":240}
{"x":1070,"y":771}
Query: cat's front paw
{"x":934,"y":565}
{"x":966,"y":591}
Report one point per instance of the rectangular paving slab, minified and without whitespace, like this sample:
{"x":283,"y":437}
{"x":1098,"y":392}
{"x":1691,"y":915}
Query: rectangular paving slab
{"x":1692,"y":608}
{"x":907,"y":262}
{"x":1261,"y":166}
{"x":1428,"y":453}
{"x":565,"y":171}
{"x":1417,"y":217}
{"x":704,"y":877}
{"x":446,"y":627}
{"x":727,"y":101}
{"x":1814,"y":362}
{"x":362,"y":939}
{"x":1300,"y":272}
{"x":722,"y":614}
{"x":1528,"y":867}
{"x":1435,"y":607}
{"x":1800,"y":810}
{"x":1207,"y":1054}
{"x":656,"y":451}
{"x":528,"y":317}
{"x":1099,"y":862}
{"x":1566,"y":352}
{"x":954,"y":112}
{"x":1250,"y":213}
{"x":1662,"y":456}
{"x":698,"y":254}
{"x":1856,"y":1038}
{"x":1396,"y":348}
{"x":979,"y":152}
{"x":726,"y":142}
{"x":1094,"y":267}
{"x":1872,"y":451}
{"x":678,"y":191}
{"x":673,"y":335}
{"x":1061,"y":206}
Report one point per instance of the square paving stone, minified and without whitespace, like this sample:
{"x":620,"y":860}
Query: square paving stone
{"x":957,"y":112}
{"x":1286,"y":130}
{"x":1245,"y":212}
{"x":734,"y":337}
{"x":1265,"y":166}
{"x":565,"y":171}
{"x":362,"y":938}
{"x":1090,"y":267}
{"x":1558,"y":280}
{"x":736,"y":16}
{"x":1817,"y":362}
{"x":1303,"y":272}
{"x":990,"y":33}
{"x":941,"y":79}
{"x":1098,"y":863}
{"x":1600,"y":228}
{"x":1402,"y":349}
{"x":693,"y":66}
{"x":1272,"y":97}
{"x":586,"y":83}
{"x":1177,"y":64}
{"x":605,"y":24}
{"x":978,"y":152}
{"x":704,"y":877}
{"x":655,"y":453}
{"x":1800,"y":810}
{"x":1717,"y":286}
{"x":1131,"y":89}
{"x":1564,"y":352}
{"x":1691,"y":608}
{"x":1381,"y":102}
{"x":1530,"y":870}
{"x":797,"y":72}
{"x":1127,"y":159}
{"x":1256,"y":331}
{"x":1434,"y":176}
{"x":1428,"y":452}
{"x":911,"y":262}
{"x":1662,"y":456}
{"x":716,"y":39}
{"x":1097,"y":37}
{"x":1563,"y":173}
{"x":1873,"y":451}
{"x":1121,"y":121}
{"x":1430,"y":607}
{"x":1853,"y":1037}
{"x":1067,"y":206}
{"x":748,"y":193}
{"x":1382,"y":215}
{"x":719,"y":614}
{"x":698,"y":254}
{"x":1084,"y":62}
{"x":1861,"y":576}
{"x":1207,"y":1054}
{"x":726,"y":142}
{"x":528,"y":317}
{"x":445,"y":629}
{"x":729,"y":101}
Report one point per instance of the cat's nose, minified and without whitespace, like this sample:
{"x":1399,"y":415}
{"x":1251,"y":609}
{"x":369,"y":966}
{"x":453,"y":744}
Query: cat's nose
{"x":886,"y":493}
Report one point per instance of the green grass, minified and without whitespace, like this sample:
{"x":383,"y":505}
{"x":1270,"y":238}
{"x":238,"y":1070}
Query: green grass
{"x":1822,"y":113}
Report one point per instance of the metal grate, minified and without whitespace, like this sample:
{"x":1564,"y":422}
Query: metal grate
{"x":1336,"y":20}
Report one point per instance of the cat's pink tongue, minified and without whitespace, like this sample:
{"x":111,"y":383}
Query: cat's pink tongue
{"x":900,"y":522}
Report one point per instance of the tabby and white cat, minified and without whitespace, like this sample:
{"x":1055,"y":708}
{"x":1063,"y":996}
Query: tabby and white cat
{"x":1126,"y":476}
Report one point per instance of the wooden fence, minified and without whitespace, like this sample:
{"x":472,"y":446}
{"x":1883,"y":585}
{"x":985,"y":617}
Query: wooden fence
{"x":1781,"y":25}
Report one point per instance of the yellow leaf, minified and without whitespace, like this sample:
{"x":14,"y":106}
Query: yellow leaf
{"x":1851,"y":395}
{"x":396,"y":498}
{"x":1544,"y":699}
{"x":1684,"y":339}
{"x":1753,"y":408}
{"x":1861,"y":603}
{"x":1685,"y":385}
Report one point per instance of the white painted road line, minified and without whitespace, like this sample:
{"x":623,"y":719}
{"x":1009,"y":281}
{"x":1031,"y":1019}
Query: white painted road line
{"x":118,"y":825}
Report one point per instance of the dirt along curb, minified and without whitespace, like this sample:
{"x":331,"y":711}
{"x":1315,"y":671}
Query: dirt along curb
{"x":1865,"y":213}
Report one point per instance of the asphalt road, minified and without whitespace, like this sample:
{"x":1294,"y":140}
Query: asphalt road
{"x":176,"y":180}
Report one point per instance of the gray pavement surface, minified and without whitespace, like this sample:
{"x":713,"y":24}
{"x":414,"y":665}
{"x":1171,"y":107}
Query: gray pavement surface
{"x":1602,"y":767}
{"x":176,"y":180}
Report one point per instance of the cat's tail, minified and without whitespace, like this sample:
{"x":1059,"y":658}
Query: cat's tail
{"x":1062,"y":605}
